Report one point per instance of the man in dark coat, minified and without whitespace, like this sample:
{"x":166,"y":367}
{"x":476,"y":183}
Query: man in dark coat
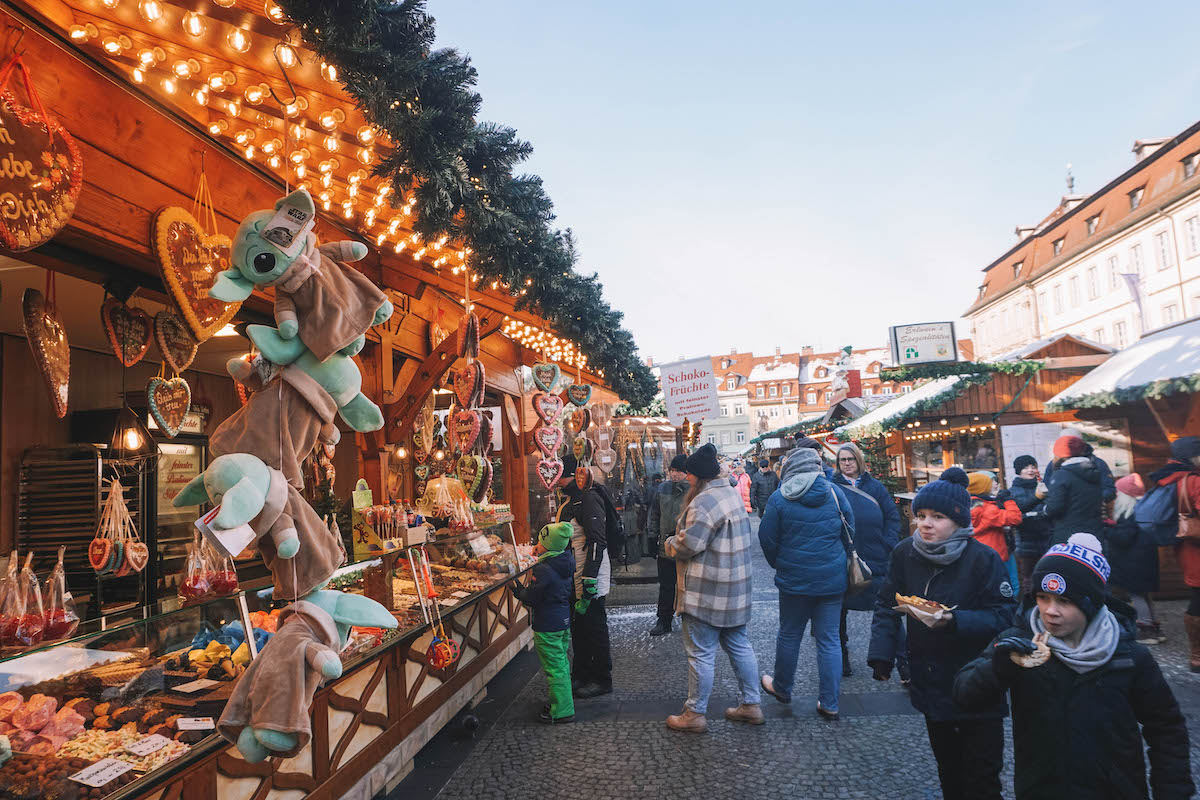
{"x":1108,"y":485}
{"x":665,"y":506}
{"x":762,"y":486}
{"x":1075,"y":503}
{"x":1076,"y":716}
{"x":1033,"y":534}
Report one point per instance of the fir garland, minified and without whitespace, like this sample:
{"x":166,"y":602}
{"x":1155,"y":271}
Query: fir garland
{"x":928,"y":371}
{"x":460,"y":175}
{"x":913,"y":410}
{"x":1130,"y":395}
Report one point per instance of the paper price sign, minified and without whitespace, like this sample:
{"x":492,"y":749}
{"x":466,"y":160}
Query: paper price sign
{"x":101,"y":773}
{"x":195,"y":686}
{"x":480,"y":545}
{"x":147,"y":745}
{"x":195,"y":724}
{"x":460,"y":594}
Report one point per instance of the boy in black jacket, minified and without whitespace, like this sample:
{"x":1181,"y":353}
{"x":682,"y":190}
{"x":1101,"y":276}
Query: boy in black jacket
{"x":1077,"y":708}
{"x":549,"y":596}
{"x":943,"y":562}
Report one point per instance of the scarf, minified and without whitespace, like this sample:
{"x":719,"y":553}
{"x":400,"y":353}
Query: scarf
{"x":1094,"y":650}
{"x":946,"y":551}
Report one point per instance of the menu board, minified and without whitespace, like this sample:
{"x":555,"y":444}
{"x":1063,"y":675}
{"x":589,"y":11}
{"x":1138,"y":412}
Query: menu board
{"x":1109,"y":440}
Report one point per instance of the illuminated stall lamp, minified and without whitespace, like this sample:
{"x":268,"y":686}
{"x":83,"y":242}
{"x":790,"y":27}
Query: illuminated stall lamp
{"x":130,"y":440}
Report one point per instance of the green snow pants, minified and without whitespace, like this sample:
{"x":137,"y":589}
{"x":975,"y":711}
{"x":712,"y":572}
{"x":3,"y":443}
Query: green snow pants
{"x":552,"y":652}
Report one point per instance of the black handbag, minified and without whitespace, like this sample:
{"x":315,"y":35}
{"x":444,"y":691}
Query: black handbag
{"x":858,"y":574}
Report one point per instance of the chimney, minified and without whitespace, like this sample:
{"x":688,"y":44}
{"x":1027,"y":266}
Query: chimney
{"x":778,"y":351}
{"x":1147,"y":147}
{"x":649,"y":361}
{"x":807,"y":350}
{"x":733,"y":351}
{"x":1069,"y":201}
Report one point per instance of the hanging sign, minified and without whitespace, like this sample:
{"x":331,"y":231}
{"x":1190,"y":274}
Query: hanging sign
{"x":923,"y":343}
{"x":690,"y":390}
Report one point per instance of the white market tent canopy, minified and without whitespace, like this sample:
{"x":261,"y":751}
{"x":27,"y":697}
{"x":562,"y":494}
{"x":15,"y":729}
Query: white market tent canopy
{"x":1162,"y":362}
{"x":879,"y":418}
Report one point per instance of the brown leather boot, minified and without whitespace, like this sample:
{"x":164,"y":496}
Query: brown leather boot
{"x":1192,"y":626}
{"x":688,"y":721}
{"x":746,"y":712}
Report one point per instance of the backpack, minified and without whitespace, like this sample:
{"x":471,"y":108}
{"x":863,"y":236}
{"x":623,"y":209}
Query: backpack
{"x":1157,"y":514}
{"x":614,"y":527}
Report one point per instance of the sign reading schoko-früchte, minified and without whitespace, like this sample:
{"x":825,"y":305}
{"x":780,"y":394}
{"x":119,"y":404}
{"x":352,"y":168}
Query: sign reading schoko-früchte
{"x":690,"y":390}
{"x":923,"y":343}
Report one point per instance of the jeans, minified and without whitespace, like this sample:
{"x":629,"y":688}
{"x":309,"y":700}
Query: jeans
{"x":901,"y":661}
{"x":666,"y":589}
{"x":969,"y":756}
{"x":1014,"y":578}
{"x":700,"y":643}
{"x":795,"y":610}
{"x":593,"y":656}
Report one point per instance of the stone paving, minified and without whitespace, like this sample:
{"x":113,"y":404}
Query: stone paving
{"x":620,"y":748}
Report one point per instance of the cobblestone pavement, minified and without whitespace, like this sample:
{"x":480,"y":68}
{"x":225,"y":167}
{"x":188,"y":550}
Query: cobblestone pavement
{"x":619,"y":747}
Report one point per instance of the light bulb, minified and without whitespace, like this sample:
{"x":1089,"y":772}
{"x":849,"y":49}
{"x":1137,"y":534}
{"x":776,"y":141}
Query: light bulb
{"x":439,"y":455}
{"x":328,"y":121}
{"x":331,"y":144}
{"x":169,"y":85}
{"x":365,"y":155}
{"x":182,"y":69}
{"x":401,"y":453}
{"x":151,"y":10}
{"x":111,"y":46}
{"x":200,"y":96}
{"x":329,"y":72}
{"x":366,"y":134}
{"x":274,"y":12}
{"x":233,"y":108}
{"x":193,"y":24}
{"x":133,"y":439}
{"x":287,"y":56}
{"x":78,"y":33}
{"x":275,"y":162}
{"x":138,"y":76}
{"x":237,"y":40}
{"x":254,"y":95}
{"x":226,"y":3}
{"x":218,"y":127}
{"x":110,"y":4}
{"x":216,"y":82}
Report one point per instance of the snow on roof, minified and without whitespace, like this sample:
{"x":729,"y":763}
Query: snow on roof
{"x":776,"y":371}
{"x":1033,"y":347}
{"x":903,"y":402}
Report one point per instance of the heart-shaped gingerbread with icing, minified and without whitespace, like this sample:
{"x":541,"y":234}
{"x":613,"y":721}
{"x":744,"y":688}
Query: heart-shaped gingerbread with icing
{"x":48,"y":340}
{"x":466,"y":429}
{"x":581,"y":419}
{"x":549,"y":471}
{"x":175,"y":340}
{"x":545,"y":375}
{"x":191,"y":260}
{"x":605,"y":459}
{"x":469,"y":471}
{"x":547,"y":406}
{"x":548,"y":439}
{"x":484,"y":483}
{"x":579,"y":393}
{"x":468,"y":384}
{"x":468,"y":336}
{"x":581,"y":448}
{"x":129,"y":330}
{"x":169,"y":403}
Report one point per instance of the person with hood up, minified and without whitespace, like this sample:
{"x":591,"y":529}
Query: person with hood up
{"x":1033,"y":534}
{"x":548,"y":595}
{"x":944,"y":563}
{"x":743,"y":485}
{"x":991,"y":515}
{"x":802,"y":539}
{"x":1133,"y":554}
{"x":665,"y":506}
{"x":1108,"y":487}
{"x":762,"y":486}
{"x":1082,"y":710}
{"x":711,"y":549}
{"x":1074,"y":503}
{"x":1183,"y":471}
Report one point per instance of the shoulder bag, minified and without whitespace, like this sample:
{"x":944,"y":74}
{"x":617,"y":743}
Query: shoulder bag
{"x":858,"y":574}
{"x":1189,"y":523}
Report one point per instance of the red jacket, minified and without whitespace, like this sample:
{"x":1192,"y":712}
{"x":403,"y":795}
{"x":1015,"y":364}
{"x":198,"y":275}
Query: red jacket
{"x":1189,"y":549}
{"x":989,"y":519}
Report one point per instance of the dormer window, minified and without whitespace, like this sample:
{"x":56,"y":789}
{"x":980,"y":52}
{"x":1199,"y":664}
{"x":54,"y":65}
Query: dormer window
{"x":873,"y":368}
{"x":1058,"y":245}
{"x":821,"y":372}
{"x":1092,"y":224}
{"x":1135,"y":198}
{"x":982,"y":291}
{"x":1189,"y":165}
{"x":1017,"y":269}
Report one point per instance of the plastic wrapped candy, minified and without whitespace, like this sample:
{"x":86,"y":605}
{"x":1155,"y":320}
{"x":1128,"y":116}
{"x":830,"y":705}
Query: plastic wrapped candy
{"x":11,"y":604}
{"x":222,"y":576}
{"x":61,"y":617}
{"x":31,"y":625}
{"x":195,"y":584}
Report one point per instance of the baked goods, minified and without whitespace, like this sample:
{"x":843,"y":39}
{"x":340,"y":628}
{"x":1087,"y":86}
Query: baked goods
{"x":1037,"y":657}
{"x":930,"y":606}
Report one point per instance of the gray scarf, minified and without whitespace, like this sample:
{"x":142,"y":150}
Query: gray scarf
{"x":946,"y":551}
{"x":1097,"y":646}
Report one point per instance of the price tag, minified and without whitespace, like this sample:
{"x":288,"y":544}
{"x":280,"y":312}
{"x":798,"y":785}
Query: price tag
{"x":445,"y":602}
{"x":231,"y":541}
{"x":195,"y":686}
{"x":480,"y":545}
{"x":147,"y":745}
{"x":460,"y":594}
{"x":100,"y":773}
{"x":195,"y":724}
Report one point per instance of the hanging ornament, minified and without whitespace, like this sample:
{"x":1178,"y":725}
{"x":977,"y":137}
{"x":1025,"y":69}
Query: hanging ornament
{"x":579,"y":393}
{"x":581,"y":419}
{"x":48,"y":340}
{"x":129,"y":330}
{"x":169,"y":403}
{"x":484,"y":483}
{"x":470,"y":470}
{"x":437,"y":331}
{"x":548,"y":439}
{"x":468,"y":336}
{"x":549,"y":470}
{"x":583,"y":478}
{"x":175,"y":341}
{"x":605,"y":460}
{"x":466,"y":429}
{"x":468,"y":384}
{"x":547,"y":406}
{"x":545,"y":376}
{"x":582,"y":450}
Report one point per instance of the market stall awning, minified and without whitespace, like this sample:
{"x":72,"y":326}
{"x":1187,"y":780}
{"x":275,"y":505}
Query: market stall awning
{"x":788,"y":430}
{"x":1161,"y":363}
{"x":907,"y":406}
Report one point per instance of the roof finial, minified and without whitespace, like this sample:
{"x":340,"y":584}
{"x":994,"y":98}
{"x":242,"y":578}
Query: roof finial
{"x":1070,"y":180}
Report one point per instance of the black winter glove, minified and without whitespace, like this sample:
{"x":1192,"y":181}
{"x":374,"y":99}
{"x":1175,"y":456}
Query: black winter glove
{"x":882,"y":670}
{"x":1003,"y":496}
{"x":1006,"y":647}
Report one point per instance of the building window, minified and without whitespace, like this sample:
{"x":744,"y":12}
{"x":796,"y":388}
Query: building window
{"x":1189,"y":165}
{"x":1073,"y":290}
{"x":1092,"y":223}
{"x":868,"y":391}
{"x":828,"y":395}
{"x":1058,"y":245}
{"x":758,"y":391}
{"x":1114,"y":273}
{"x":811,"y":399}
{"x":725,"y":363}
{"x":1058,"y":298}
{"x":1042,"y":306}
{"x":741,"y":437}
{"x":789,"y":411}
{"x":1017,"y":269}
{"x":774,"y":390}
{"x":724,"y":411}
{"x":1119,"y":334}
{"x":905,"y":389}
{"x":724,"y":437}
{"x":1170,"y":313}
{"x":1162,"y":250}
{"x":873,"y":368}
{"x":1191,"y":230}
{"x":1135,"y":259}
{"x":1098,"y":335}
{"x":787,"y":389}
{"x":822,"y":372}
{"x":774,"y":411}
{"x":731,"y":383}
{"x":1135,"y":198}
{"x":739,"y":410}
{"x":982,"y":290}
{"x":1093,"y":276}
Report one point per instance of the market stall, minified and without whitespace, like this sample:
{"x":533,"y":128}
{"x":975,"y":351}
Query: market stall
{"x":413,"y":435}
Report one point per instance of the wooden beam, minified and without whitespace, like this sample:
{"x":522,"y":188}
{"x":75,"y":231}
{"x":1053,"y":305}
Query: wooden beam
{"x":1161,"y":424}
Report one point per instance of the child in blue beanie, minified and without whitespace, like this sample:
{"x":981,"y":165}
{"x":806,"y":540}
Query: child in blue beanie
{"x":944,"y":563}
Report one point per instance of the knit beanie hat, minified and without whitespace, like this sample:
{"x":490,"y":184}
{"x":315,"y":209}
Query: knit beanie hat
{"x":763,"y":463}
{"x":979,"y":483}
{"x":1069,"y":447}
{"x":809,"y":442}
{"x":555,"y":537}
{"x":802,"y":459}
{"x":1076,"y":570}
{"x":679,"y":462}
{"x":1021,"y":462}
{"x":1185,"y":448}
{"x":703,"y":463}
{"x":948,"y":496}
{"x":1131,"y":485}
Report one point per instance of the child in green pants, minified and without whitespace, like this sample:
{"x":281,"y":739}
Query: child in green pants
{"x":548,"y":595}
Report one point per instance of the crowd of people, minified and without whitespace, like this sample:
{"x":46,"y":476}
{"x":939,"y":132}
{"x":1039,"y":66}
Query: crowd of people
{"x":1034,"y":596}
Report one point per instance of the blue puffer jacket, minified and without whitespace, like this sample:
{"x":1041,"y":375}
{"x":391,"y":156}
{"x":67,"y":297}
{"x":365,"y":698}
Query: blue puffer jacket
{"x":873,"y":538}
{"x":801,"y":535}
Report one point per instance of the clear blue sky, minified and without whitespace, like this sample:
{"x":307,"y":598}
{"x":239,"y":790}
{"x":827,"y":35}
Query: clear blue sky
{"x":786,"y":173}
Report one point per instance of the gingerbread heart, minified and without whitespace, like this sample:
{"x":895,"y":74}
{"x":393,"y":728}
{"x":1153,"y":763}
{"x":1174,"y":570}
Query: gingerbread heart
{"x":485,"y":430}
{"x":547,"y":406}
{"x":437,"y":335}
{"x":137,"y":555}
{"x":48,"y":340}
{"x":548,"y":439}
{"x":129,"y":330}
{"x":422,"y":471}
{"x":468,"y":384}
{"x":583,"y":478}
{"x":581,"y":448}
{"x":581,"y":419}
{"x":425,"y":422}
{"x":484,"y":483}
{"x":468,"y":336}
{"x":579,"y":393}
{"x":169,"y":402}
{"x":469,"y":471}
{"x":175,"y":341}
{"x":545,"y":375}
{"x":549,"y":471}
{"x":601,"y":414}
{"x":419,"y":488}
{"x":41,"y":180}
{"x":99,"y":554}
{"x":605,"y":459}
{"x":466,"y":430}
{"x":190,"y":261}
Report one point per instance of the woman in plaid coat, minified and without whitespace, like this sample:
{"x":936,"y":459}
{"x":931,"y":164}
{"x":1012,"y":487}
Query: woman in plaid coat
{"x":711,"y":548}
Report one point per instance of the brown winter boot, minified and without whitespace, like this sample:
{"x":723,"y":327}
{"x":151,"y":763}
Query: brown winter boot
{"x":688,"y":721}
{"x":1192,"y":626}
{"x":746,"y":712}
